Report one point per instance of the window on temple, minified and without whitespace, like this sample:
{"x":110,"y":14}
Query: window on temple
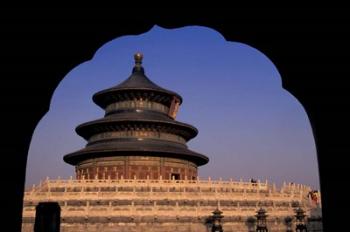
{"x":175,"y":176}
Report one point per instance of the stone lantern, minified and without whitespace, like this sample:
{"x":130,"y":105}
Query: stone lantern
{"x":288,"y":222}
{"x":300,"y":220}
{"x":250,"y":223}
{"x":261,"y":221}
{"x":216,"y":220}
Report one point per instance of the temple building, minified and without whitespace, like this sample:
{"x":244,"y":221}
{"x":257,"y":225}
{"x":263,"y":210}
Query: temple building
{"x":136,"y":173}
{"x":139,"y":136}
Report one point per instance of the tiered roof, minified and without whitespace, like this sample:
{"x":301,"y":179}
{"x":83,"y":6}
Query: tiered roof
{"x":139,"y":88}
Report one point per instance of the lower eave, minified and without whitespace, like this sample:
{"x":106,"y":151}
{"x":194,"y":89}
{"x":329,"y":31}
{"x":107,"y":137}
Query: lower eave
{"x":166,"y":151}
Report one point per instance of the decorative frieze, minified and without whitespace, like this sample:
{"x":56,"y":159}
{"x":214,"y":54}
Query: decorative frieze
{"x":140,"y":167}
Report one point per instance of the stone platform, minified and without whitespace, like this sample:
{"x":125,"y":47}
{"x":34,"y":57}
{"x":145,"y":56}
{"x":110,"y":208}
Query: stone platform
{"x":168,"y":205}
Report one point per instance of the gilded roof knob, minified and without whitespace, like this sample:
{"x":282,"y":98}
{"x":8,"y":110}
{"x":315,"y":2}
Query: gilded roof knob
{"x":138,"y":58}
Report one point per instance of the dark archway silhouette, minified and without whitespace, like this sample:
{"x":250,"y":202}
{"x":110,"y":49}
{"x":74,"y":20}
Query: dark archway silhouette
{"x":308,"y":46}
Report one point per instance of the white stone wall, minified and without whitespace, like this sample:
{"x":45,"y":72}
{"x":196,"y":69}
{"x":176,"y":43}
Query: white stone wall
{"x":166,"y":205}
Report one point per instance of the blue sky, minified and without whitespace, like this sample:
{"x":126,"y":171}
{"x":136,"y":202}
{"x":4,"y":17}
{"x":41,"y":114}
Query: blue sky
{"x":249,"y":126}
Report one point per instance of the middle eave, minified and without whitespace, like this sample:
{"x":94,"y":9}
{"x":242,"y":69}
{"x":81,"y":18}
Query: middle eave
{"x":135,"y":121}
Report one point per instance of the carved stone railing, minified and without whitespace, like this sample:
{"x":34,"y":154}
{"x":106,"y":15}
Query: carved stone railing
{"x":208,"y":194}
{"x":216,"y":186}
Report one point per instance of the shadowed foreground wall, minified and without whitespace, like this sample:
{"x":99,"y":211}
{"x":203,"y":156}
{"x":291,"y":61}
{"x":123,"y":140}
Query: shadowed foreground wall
{"x":181,"y":226}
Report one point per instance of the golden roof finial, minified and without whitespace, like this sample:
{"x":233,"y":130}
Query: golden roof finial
{"x":138,"y":58}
